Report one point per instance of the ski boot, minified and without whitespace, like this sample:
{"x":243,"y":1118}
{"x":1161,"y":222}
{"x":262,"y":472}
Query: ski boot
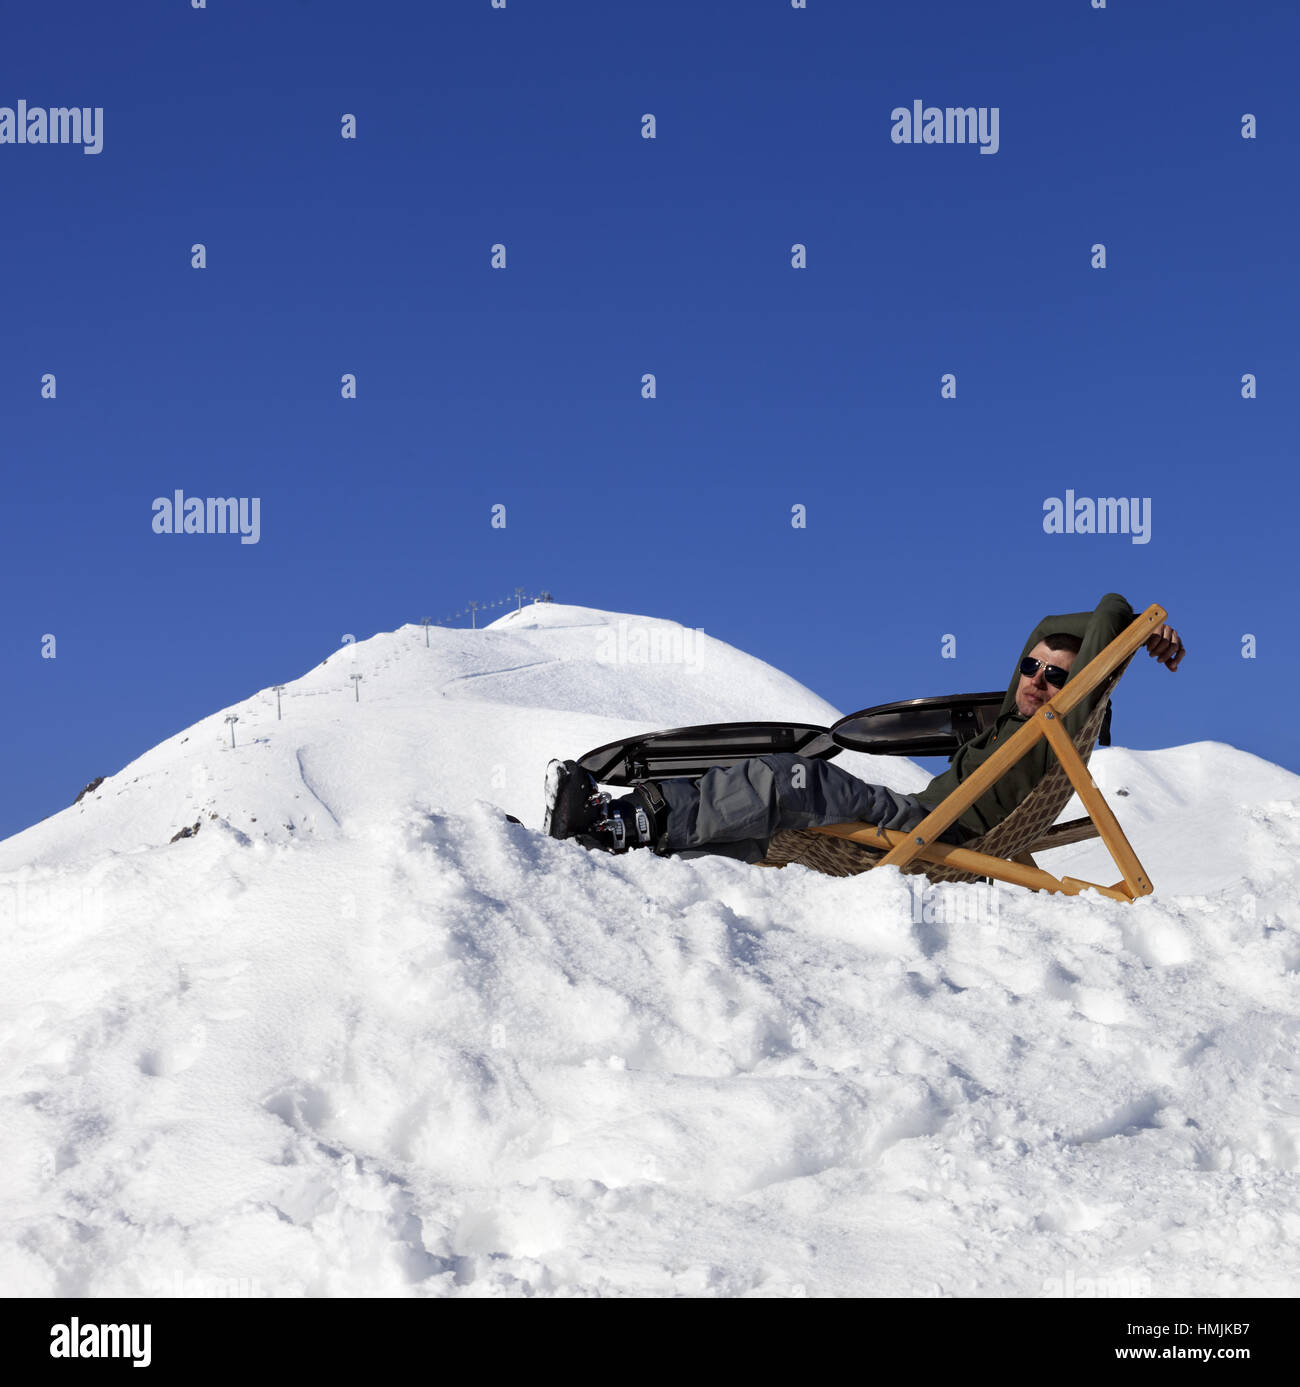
{"x":575,"y":808}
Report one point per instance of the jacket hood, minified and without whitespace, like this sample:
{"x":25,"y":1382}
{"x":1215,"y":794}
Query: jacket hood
{"x":1074,"y":624}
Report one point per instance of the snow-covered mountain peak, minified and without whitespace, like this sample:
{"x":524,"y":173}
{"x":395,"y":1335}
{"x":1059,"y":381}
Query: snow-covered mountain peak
{"x":439,"y":717}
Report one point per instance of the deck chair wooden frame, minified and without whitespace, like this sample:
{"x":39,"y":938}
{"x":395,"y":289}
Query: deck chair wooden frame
{"x":1005,"y":853}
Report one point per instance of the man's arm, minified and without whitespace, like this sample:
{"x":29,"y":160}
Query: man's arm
{"x":1166,"y":645}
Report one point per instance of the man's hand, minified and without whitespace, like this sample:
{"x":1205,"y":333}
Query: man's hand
{"x":1167,"y":646}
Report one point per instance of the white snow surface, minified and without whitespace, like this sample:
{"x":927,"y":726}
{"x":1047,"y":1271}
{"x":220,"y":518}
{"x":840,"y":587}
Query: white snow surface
{"x":361,"y":1036}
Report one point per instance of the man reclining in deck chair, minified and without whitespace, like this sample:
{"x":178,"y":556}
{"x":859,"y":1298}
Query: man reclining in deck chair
{"x":732,"y":811}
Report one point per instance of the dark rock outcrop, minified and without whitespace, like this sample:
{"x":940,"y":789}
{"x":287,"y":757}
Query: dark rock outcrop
{"x":94,"y":785}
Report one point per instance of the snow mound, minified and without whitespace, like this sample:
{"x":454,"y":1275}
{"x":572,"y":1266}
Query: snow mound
{"x":361,"y":1036}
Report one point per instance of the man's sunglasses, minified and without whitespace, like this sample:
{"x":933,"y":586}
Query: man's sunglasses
{"x":1054,"y":674}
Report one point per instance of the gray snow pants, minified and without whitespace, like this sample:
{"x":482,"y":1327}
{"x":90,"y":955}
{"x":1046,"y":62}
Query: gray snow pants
{"x":732,"y":811}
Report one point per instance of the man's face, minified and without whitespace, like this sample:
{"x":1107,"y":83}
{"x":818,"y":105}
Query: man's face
{"x":1031,"y":694}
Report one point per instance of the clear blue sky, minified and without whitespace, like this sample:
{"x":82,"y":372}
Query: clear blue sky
{"x":625,"y":255}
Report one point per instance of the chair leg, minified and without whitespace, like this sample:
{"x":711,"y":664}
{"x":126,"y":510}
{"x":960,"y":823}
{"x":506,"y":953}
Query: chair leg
{"x":1136,"y":882}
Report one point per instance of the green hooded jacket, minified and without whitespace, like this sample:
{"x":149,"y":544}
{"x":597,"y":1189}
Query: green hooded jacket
{"x":1096,"y":630}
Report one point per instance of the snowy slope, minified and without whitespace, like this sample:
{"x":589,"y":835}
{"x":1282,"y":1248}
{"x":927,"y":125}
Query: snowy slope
{"x":361,"y":1036}
{"x":471,"y":715}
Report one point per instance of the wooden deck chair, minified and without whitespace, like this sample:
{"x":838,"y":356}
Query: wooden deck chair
{"x":1005,"y":853}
